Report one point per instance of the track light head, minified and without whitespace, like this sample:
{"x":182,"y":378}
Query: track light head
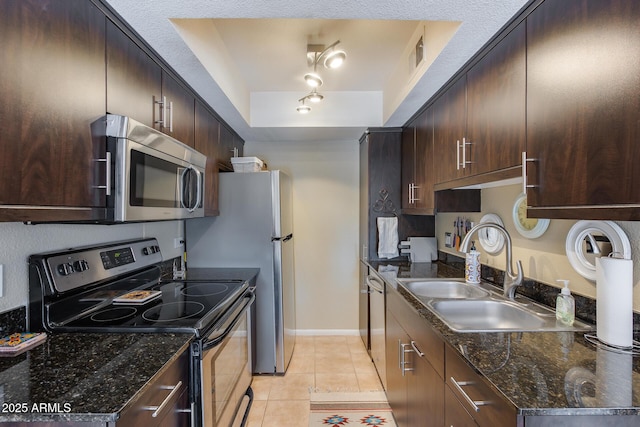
{"x":313,"y":79}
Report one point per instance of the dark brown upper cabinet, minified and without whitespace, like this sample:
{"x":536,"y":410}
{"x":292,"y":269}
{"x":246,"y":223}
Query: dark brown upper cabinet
{"x":449,"y":127}
{"x":134,"y":80}
{"x":479,"y":122}
{"x":583,"y":104}
{"x":207,"y":136}
{"x":496,"y":117}
{"x":52,"y":86}
{"x":231,"y":145}
{"x":417,"y":166}
{"x":139,"y":88}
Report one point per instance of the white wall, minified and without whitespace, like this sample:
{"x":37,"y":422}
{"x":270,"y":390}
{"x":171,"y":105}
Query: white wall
{"x":18,"y":241}
{"x":544,"y":258}
{"x":325,"y":223}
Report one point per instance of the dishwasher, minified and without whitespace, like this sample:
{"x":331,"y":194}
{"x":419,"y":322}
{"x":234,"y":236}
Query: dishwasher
{"x":377,"y":313}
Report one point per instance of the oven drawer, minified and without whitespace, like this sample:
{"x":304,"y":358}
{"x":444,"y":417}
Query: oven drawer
{"x":164,"y":401}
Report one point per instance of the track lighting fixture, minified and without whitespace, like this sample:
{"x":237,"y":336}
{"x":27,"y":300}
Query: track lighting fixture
{"x":302,"y":108}
{"x":331,"y":57}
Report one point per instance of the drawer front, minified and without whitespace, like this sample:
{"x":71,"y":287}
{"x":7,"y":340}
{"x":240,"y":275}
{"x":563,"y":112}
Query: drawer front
{"x":455,"y":415}
{"x":485,"y":405}
{"x":166,"y":397}
{"x":418,"y":329}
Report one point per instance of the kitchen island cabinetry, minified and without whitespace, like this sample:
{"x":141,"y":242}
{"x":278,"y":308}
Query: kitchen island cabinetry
{"x":207,"y":137}
{"x":417,"y":166}
{"x":583,"y":104}
{"x":52,"y":89}
{"x":415,"y":364}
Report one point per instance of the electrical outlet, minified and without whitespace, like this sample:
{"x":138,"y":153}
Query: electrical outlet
{"x":178,"y":242}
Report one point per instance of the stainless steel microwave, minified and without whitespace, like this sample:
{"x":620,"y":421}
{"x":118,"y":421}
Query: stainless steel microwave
{"x":151,"y":176}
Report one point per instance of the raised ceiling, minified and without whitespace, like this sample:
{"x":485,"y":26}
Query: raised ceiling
{"x":247,"y":58}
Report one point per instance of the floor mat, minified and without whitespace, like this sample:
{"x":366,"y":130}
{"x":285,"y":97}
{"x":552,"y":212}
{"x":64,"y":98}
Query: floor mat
{"x":351,"y":418}
{"x":337,"y":409}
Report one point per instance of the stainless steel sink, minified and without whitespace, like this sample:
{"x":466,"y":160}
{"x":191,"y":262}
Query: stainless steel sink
{"x":496,"y":315}
{"x":443,"y":289}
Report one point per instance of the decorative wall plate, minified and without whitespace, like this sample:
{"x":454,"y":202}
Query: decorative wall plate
{"x":491,"y":240}
{"x":581,"y":236}
{"x":531,"y":228}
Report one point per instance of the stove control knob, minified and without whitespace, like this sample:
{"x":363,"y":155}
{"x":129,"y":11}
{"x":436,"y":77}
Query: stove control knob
{"x":156,"y":249}
{"x":81,"y":265}
{"x":65,"y":269}
{"x":146,"y":250}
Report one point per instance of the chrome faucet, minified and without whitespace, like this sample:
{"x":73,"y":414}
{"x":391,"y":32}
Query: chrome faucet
{"x":511,"y":280}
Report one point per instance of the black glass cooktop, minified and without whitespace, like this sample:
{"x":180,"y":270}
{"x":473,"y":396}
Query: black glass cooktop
{"x":143,"y":304}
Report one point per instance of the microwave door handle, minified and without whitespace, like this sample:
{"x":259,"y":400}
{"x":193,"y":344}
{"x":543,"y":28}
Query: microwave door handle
{"x":199,"y":185}
{"x":181,"y":188}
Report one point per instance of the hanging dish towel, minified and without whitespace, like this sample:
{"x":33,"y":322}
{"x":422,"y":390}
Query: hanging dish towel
{"x":387,"y":237}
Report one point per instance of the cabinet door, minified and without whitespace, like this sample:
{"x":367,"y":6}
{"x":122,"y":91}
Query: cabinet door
{"x":425,"y":392}
{"x":408,"y":166}
{"x":583,"y":104}
{"x":225,"y":149}
{"x":134,"y":80}
{"x":396,"y":381}
{"x":52,"y":89}
{"x":180,"y":123}
{"x":454,"y":413}
{"x":496,"y":102}
{"x":207,"y":129}
{"x":449,"y":124}
{"x":417,"y":166}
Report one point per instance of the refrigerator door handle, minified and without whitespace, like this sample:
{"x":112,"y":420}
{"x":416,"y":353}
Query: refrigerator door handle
{"x":283,"y":239}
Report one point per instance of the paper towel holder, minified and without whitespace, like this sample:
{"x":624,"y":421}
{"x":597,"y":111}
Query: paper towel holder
{"x":588,"y":239}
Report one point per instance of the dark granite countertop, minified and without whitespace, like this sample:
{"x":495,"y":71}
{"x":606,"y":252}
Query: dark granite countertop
{"x":91,"y":377}
{"x":541,"y":373}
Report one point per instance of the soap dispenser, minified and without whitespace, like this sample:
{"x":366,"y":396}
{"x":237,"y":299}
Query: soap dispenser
{"x":472,"y":265}
{"x":565,"y":305}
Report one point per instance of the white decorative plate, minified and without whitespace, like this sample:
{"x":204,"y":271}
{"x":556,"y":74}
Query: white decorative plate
{"x":531,"y":228}
{"x":491,"y":240}
{"x":580,"y":231}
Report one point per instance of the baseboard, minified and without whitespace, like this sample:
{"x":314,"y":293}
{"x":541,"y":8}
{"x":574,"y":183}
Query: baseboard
{"x":327,"y":332}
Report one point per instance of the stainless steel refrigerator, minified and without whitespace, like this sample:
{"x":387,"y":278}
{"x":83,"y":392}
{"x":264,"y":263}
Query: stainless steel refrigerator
{"x":255,"y":229}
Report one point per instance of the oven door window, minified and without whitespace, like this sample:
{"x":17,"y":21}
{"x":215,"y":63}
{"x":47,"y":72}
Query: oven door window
{"x":226,"y":375}
{"x":154,"y":182}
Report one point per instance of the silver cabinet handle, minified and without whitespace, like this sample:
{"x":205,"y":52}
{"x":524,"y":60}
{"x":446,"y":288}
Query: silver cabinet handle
{"x":410,"y":195}
{"x":475,"y":404}
{"x":375,"y":284}
{"x":416,"y":349}
{"x":170,"y":115}
{"x":458,"y":155}
{"x":107,"y":179}
{"x":464,"y":153}
{"x":157,"y":409}
{"x":403,"y":361}
{"x":525,"y":185}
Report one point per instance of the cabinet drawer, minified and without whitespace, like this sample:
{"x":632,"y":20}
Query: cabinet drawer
{"x":455,"y":415}
{"x":470,"y":389}
{"x":420,"y":331}
{"x":166,"y":396}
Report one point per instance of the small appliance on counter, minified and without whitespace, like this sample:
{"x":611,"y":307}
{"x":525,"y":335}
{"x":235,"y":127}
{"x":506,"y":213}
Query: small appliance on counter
{"x":420,"y":249}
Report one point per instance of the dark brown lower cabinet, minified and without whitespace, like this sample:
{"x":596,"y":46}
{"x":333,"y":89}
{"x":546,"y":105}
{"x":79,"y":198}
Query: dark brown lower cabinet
{"x":164,"y":402}
{"x":454,"y":413}
{"x":474,"y":396}
{"x":415,"y":389}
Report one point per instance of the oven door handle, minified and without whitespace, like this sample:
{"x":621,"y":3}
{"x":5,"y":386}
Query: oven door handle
{"x":230,"y":322}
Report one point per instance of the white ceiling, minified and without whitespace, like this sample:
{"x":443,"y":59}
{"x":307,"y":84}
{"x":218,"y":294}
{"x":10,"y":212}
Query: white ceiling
{"x":246,"y":58}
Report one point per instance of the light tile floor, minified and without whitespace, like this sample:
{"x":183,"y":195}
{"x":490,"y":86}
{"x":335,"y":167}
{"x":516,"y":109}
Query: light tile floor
{"x":319,"y":363}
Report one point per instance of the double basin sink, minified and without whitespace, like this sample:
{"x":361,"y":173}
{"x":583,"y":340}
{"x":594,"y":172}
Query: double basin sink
{"x":465,"y":307}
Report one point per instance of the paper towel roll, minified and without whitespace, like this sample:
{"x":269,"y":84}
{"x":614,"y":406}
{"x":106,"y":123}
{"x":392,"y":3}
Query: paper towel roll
{"x":614,"y":301}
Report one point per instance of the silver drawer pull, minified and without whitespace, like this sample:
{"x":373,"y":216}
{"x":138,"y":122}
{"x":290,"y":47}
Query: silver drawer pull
{"x":475,"y":404}
{"x":416,"y":349}
{"x":157,"y":409}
